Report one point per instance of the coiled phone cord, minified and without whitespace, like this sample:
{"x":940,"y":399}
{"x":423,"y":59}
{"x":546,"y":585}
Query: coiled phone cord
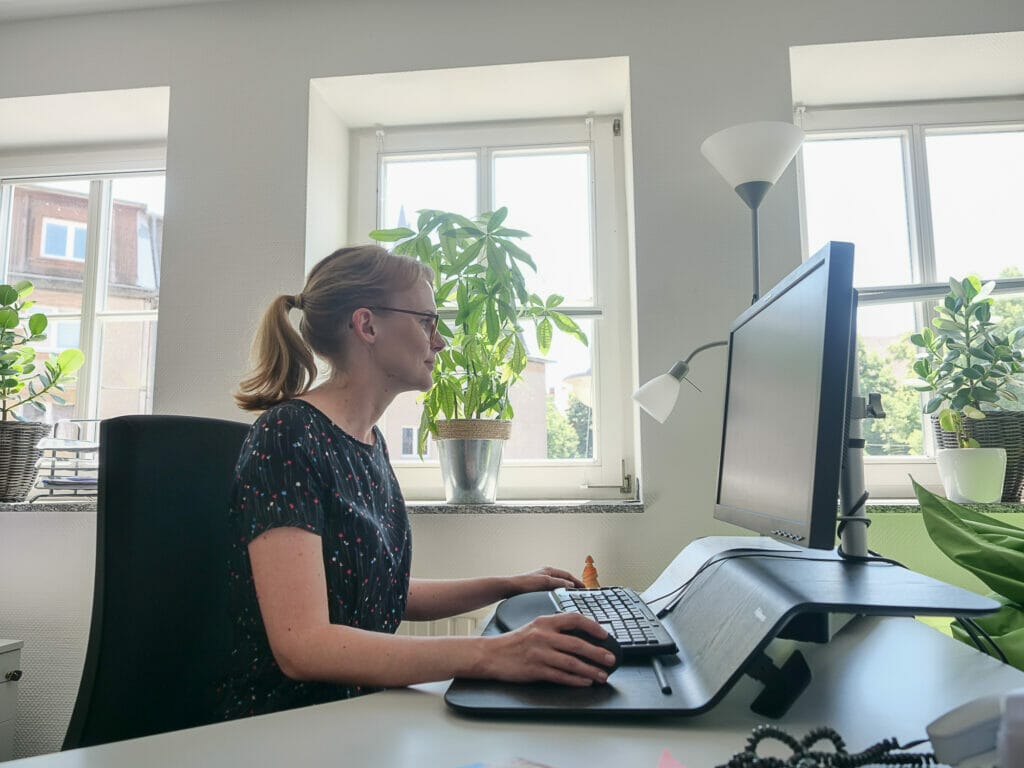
{"x":882,"y":753}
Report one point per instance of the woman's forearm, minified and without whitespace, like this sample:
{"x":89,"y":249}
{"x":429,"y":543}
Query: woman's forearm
{"x":539,"y":651}
{"x":350,"y":656}
{"x":440,"y":598}
{"x":431,"y":599}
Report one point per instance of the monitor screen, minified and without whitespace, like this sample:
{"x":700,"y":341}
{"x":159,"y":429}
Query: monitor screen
{"x":787,"y":402}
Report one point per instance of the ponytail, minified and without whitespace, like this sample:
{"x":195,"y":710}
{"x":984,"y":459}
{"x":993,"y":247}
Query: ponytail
{"x":360,"y":276}
{"x":285,"y":366}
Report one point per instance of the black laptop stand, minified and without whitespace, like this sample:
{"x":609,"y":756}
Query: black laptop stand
{"x":723,"y":625}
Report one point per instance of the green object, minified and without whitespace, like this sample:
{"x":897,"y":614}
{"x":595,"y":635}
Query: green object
{"x":478,"y":271}
{"x":21,"y":381}
{"x":991,"y":549}
{"x":965,"y":363}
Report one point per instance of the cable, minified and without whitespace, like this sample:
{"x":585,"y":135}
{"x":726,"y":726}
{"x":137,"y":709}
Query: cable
{"x":737,"y":554}
{"x":882,"y":753}
{"x":976,"y":632}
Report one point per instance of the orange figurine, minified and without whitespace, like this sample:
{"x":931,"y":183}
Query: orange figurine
{"x":589,"y":577}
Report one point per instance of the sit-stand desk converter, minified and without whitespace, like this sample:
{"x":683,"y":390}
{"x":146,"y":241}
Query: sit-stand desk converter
{"x":723,"y":626}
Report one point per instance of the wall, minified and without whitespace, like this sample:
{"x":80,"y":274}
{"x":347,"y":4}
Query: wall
{"x":236,"y":191}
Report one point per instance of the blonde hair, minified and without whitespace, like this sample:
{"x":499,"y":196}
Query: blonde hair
{"x":285,"y":366}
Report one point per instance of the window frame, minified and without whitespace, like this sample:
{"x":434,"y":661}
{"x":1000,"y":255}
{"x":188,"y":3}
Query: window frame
{"x":886,"y":476}
{"x":101,"y":167}
{"x":614,"y":455}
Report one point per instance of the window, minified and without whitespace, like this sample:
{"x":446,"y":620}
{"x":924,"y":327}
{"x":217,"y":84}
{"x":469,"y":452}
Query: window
{"x":63,"y":240}
{"x":91,"y":247}
{"x":563,"y":182}
{"x":925,"y":193}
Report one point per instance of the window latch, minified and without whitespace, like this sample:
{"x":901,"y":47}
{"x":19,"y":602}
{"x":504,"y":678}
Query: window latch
{"x":625,"y":488}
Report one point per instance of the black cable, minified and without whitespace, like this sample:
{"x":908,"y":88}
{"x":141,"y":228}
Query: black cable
{"x":976,"y":632}
{"x":882,"y":753}
{"x":736,"y":554}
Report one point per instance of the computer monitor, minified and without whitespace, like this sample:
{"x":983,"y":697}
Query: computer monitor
{"x":788,"y":394}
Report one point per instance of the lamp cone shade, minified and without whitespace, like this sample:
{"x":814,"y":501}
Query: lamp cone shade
{"x":658,"y":396}
{"x":753,"y":151}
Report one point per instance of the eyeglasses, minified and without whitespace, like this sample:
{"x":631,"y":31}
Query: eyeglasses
{"x":432,"y":317}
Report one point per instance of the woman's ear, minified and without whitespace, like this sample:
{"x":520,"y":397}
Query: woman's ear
{"x":363,"y":325}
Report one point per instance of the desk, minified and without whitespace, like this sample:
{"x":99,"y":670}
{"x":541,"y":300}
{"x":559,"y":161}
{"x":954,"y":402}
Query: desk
{"x":877,"y":678}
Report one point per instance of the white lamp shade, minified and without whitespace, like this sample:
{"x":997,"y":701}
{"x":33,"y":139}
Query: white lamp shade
{"x":658,"y":396}
{"x":753,"y":151}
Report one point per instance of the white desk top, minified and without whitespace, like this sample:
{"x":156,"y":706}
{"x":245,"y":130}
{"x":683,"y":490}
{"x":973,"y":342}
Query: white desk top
{"x":878,"y":678}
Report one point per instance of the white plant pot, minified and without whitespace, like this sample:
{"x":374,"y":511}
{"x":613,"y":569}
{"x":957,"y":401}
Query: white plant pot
{"x":972,"y":475}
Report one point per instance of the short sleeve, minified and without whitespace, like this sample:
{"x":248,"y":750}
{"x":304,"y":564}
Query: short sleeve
{"x":279,"y":482}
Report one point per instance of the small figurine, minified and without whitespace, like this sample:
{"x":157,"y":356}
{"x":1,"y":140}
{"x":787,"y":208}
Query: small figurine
{"x":589,"y":577}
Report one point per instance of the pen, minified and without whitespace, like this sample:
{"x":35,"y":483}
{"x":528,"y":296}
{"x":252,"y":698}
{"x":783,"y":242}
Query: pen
{"x":659,"y":672}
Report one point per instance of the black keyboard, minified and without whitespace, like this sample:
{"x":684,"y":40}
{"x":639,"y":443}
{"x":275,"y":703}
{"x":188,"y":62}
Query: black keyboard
{"x":623,"y":614}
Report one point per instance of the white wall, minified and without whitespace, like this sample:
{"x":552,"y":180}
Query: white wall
{"x":236,"y":185}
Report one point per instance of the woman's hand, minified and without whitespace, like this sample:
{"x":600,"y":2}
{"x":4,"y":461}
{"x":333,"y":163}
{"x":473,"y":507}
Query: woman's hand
{"x":542,"y":580}
{"x":541,"y":651}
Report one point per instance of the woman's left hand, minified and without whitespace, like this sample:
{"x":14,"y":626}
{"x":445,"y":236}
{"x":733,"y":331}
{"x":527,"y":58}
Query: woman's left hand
{"x":543,"y":580}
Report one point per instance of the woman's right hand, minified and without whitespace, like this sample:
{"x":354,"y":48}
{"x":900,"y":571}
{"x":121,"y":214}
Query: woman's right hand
{"x":542,"y":651}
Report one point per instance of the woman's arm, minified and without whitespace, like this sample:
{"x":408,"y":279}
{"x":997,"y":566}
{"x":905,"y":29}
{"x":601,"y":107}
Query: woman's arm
{"x":288,"y":571}
{"x":440,"y":598}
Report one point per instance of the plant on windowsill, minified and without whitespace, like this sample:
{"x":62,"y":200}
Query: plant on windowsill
{"x":967,"y":365}
{"x":477,"y":272}
{"x":22,"y":383}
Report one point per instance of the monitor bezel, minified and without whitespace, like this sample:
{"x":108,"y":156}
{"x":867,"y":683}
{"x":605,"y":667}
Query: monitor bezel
{"x":818,"y":528}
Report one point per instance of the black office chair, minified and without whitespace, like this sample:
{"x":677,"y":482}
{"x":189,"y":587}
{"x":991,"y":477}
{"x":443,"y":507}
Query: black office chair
{"x":160,"y":627}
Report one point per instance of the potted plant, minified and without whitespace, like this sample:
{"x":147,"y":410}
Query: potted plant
{"x":967,"y":366}
{"x":478,"y":272}
{"x":23,"y":383}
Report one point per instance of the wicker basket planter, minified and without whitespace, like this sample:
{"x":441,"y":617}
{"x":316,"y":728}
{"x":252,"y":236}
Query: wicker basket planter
{"x":999,"y":429}
{"x":470,"y":454}
{"x":19,"y":457}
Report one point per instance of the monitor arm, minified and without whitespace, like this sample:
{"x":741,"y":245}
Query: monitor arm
{"x":853,"y":519}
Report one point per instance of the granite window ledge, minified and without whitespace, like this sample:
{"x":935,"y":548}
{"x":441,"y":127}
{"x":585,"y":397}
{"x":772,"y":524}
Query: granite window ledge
{"x":898,"y":506}
{"x":415,"y":507}
{"x":526,"y":507}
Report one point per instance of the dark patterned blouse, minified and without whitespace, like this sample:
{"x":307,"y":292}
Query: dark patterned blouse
{"x":298,"y":469}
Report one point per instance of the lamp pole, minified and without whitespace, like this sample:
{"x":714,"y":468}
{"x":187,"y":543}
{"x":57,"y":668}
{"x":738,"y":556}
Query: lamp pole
{"x":752,"y":193}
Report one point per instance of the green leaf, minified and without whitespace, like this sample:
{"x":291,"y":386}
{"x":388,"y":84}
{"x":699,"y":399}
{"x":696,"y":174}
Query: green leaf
{"x":972,"y":412}
{"x":391,"y":235}
{"x":949,"y":420}
{"x":568,"y":325}
{"x":544,"y":334}
{"x":986,"y":291}
{"x":495,"y":219}
{"x":493,"y":324}
{"x":37,"y":324}
{"x":933,"y":405}
{"x":70,"y":360}
{"x":957,"y":288}
{"x":519,"y":254}
{"x":8,"y":296}
{"x":8,"y":317}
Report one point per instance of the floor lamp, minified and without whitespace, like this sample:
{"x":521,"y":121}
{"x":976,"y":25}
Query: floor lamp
{"x":752,"y":157}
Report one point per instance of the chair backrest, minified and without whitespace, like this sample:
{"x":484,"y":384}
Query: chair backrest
{"x":160,"y":628}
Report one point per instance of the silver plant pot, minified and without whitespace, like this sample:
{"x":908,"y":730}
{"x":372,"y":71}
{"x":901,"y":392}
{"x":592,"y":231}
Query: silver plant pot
{"x":470,"y":453}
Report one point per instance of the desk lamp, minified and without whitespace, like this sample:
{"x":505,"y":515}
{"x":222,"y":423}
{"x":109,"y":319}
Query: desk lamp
{"x":752,"y":157}
{"x":658,"y":396}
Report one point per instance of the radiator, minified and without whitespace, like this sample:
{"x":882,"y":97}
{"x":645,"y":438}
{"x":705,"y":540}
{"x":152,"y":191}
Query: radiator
{"x":465,"y":625}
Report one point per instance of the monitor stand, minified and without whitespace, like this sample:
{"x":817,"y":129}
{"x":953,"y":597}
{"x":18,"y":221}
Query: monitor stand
{"x":723,"y":626}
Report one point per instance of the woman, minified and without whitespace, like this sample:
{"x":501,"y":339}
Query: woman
{"x":320,"y":572}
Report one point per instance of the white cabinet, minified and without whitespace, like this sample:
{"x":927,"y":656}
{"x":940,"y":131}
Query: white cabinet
{"x":10,"y":673}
